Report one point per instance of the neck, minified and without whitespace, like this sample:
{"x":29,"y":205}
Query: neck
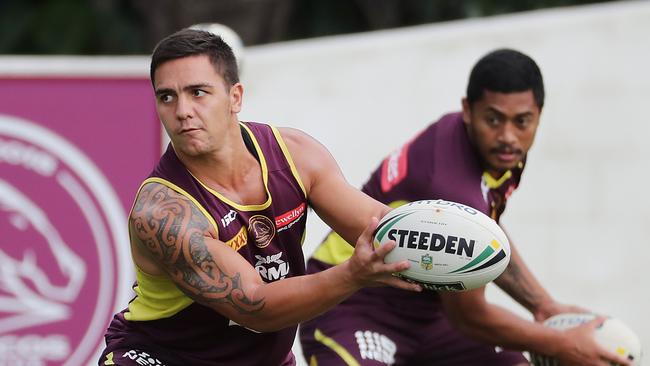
{"x":225,"y":167}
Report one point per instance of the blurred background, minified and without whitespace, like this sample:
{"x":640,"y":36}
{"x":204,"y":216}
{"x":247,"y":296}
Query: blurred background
{"x":79,"y":132}
{"x":118,"y":27}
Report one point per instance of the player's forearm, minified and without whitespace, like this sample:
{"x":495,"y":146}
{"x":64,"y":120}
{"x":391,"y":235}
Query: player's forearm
{"x":298,"y":299}
{"x":518,"y":282}
{"x":499,"y":327}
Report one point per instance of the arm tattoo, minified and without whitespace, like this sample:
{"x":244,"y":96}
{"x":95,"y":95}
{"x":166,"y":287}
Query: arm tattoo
{"x":173,"y":229}
{"x":515,"y":284}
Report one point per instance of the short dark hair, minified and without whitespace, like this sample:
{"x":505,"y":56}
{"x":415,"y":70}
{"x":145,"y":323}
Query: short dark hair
{"x":191,"y":42}
{"x":505,"y":71}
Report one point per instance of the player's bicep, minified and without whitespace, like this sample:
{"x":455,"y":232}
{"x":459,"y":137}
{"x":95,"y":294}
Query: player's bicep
{"x":173,"y":232}
{"x":343,"y":207}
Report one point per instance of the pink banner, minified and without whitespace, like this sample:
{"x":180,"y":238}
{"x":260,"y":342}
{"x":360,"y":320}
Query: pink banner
{"x":73,"y":152}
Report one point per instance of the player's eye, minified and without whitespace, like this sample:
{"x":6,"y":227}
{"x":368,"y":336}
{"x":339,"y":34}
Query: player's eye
{"x":492,"y":120}
{"x":165,"y":98}
{"x":523,"y":121}
{"x":198,"y":92}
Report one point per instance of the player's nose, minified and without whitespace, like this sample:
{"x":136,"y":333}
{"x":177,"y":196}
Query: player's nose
{"x":183,"y":108}
{"x":507,"y":134}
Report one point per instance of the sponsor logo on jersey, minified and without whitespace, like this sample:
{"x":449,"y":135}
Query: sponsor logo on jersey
{"x":228,"y":218}
{"x":287,"y":219}
{"x":239,"y":240}
{"x":64,"y":249}
{"x":271,"y":267}
{"x":142,"y":358}
{"x":394,"y":168}
{"x":375,"y":346}
{"x":261,"y":229}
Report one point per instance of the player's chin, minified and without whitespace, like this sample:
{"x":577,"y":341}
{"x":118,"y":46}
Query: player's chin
{"x":502,"y":165}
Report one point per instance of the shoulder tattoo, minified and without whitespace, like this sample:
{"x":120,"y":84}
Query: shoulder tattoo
{"x":173,"y":230}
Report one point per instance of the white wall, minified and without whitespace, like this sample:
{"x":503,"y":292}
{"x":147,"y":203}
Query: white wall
{"x":579,"y":217}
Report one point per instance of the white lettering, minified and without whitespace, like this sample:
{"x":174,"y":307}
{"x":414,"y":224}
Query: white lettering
{"x":392,"y":170}
{"x":33,"y":349}
{"x":228,"y":218}
{"x":16,"y":153}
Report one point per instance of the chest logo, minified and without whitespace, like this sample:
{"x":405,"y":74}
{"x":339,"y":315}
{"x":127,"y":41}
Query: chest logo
{"x":228,"y":218}
{"x":261,"y":229}
{"x":271,"y":267}
{"x":287,"y":219}
{"x":239,"y":240}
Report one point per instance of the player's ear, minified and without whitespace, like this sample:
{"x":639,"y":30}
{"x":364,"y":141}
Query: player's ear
{"x":466,"y":111}
{"x":236,"y":95}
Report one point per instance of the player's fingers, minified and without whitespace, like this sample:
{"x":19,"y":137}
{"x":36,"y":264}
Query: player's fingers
{"x":596,"y":323}
{"x":367,"y":234}
{"x":401,"y":284}
{"x":396,"y":267}
{"x":384,"y":249}
{"x":614,"y":359}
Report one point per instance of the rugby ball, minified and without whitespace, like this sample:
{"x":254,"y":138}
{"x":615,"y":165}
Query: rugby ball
{"x":450,"y":246}
{"x":612,"y":335}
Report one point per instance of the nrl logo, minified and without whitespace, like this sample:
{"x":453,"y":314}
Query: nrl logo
{"x":426,"y":262}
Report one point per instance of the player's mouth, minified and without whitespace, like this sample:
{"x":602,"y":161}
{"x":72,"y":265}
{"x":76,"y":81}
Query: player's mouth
{"x":187,"y":131}
{"x":507,"y":156}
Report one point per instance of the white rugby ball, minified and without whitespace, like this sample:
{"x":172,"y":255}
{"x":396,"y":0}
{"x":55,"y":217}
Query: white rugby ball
{"x":612,"y":335}
{"x":450,"y":246}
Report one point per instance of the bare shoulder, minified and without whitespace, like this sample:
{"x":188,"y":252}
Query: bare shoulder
{"x":163,"y":220}
{"x":311,"y":157}
{"x":295,"y":138}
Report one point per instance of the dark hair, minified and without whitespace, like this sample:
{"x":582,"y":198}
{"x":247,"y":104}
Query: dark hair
{"x":505,"y":71}
{"x":191,"y":42}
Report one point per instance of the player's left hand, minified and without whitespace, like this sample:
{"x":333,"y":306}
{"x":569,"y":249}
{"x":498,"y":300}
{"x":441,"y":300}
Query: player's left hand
{"x":367,"y":264}
{"x":548,"y":309}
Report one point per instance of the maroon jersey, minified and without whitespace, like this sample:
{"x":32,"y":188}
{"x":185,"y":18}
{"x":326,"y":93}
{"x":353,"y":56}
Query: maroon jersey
{"x":441,"y":163}
{"x":385,"y":325}
{"x":268,"y":235}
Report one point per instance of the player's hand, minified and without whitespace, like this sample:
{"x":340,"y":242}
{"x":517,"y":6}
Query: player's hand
{"x":581,"y":348}
{"x":548,"y":309}
{"x":367,"y":263}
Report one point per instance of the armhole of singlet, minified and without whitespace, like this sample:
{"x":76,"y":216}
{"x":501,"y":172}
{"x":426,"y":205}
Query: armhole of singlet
{"x":289,"y":159}
{"x":182,"y":192}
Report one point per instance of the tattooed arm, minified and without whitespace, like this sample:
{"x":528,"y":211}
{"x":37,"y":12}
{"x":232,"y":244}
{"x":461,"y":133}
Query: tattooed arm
{"x":518,"y":282}
{"x":170,"y":235}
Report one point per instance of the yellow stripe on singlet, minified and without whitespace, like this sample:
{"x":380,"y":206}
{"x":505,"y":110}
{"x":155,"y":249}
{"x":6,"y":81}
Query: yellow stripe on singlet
{"x":287,"y":156}
{"x":335,"y":250}
{"x":336,"y":347}
{"x":182,"y":192}
{"x":157,"y":296}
